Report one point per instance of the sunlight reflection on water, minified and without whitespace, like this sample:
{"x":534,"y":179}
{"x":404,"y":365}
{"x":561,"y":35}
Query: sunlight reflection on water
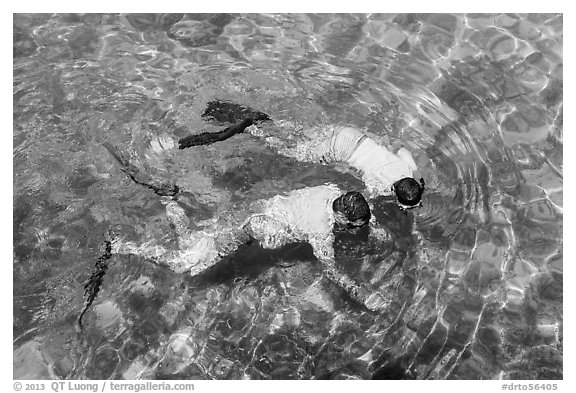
{"x":474,"y":278}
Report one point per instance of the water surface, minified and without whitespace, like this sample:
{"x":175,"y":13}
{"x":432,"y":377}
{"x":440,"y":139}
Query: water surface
{"x":474,"y":278}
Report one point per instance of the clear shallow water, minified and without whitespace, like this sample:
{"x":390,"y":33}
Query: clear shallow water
{"x":474,"y":278}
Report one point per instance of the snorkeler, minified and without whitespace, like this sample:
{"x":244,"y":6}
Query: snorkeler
{"x":309,"y":214}
{"x":383,"y":172}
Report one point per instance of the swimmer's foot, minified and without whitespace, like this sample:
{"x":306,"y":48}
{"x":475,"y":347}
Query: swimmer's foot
{"x":207,"y":138}
{"x":224,"y":112}
{"x":228,"y":112}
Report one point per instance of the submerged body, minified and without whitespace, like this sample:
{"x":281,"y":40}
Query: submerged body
{"x":379,"y":167}
{"x":301,"y":215}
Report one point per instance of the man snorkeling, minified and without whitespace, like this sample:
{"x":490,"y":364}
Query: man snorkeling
{"x":309,"y":214}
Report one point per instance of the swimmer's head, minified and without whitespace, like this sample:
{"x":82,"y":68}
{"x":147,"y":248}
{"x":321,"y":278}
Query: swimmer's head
{"x":351,"y":210}
{"x":409,"y":192}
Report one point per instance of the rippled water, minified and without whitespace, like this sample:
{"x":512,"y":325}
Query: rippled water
{"x":474,"y":278}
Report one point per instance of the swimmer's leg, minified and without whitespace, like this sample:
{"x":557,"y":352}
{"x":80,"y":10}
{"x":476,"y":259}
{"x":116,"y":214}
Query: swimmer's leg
{"x":269,"y":232}
{"x":198,"y":251}
{"x":194,"y":259}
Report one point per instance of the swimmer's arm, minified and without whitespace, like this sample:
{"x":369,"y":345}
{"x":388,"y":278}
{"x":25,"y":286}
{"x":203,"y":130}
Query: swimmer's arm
{"x":406,"y":156}
{"x":268,"y":231}
{"x":355,"y":291}
{"x":324,"y":252}
{"x":323,"y":152}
